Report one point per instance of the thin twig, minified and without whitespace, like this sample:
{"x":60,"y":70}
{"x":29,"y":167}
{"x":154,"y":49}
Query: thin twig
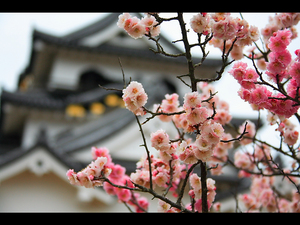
{"x":147,"y":150}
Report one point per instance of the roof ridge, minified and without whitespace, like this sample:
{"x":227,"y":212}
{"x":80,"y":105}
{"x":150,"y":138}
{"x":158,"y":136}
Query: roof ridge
{"x":94,"y":27}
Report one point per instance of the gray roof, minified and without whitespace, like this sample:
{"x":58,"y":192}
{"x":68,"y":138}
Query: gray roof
{"x":72,"y":41}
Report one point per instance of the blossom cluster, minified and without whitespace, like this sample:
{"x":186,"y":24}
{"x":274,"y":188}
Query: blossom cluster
{"x":278,"y":22}
{"x":161,"y":175}
{"x":204,"y":112}
{"x":279,"y":67}
{"x":224,"y":27}
{"x":196,"y":192}
{"x":263,"y":194}
{"x":88,"y":176}
{"x":134,"y":97}
{"x":103,"y":167}
{"x":205,"y":115}
{"x":136,"y":27}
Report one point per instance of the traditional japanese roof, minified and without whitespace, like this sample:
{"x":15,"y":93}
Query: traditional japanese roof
{"x":75,"y":41}
{"x":66,"y":142}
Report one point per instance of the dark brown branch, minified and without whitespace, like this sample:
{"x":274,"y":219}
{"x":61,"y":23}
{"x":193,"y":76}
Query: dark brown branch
{"x":185,"y":182}
{"x":110,"y":89}
{"x":158,"y":113}
{"x":171,"y":178}
{"x":239,"y":137}
{"x":148,"y":152}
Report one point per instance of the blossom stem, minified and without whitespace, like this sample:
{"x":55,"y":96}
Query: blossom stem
{"x":204,"y":187}
{"x":148,"y":152}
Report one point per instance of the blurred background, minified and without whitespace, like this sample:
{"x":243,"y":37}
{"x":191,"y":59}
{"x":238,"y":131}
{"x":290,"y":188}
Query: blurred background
{"x":52,"y":110}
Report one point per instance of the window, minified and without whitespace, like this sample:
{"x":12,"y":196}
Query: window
{"x":91,"y":79}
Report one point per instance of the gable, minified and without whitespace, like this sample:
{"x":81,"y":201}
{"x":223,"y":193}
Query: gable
{"x":40,"y":162}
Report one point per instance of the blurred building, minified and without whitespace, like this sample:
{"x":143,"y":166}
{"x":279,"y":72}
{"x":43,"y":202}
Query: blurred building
{"x":59,"y":112}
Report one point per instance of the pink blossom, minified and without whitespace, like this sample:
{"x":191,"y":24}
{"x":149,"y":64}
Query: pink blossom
{"x":100,"y":152}
{"x":186,"y":153}
{"x":195,"y":181}
{"x":294,"y":71}
{"x":253,"y":33}
{"x":122,"y":18}
{"x":192,"y":100}
{"x":292,"y":88}
{"x":212,"y":132}
{"x":129,"y":22}
{"x":280,"y":40}
{"x":132,"y":25}
{"x":290,"y":137}
{"x":72,"y":176}
{"x":222,"y":116}
{"x":238,"y":71}
{"x":150,"y":24}
{"x":261,"y":64}
{"x":160,"y":140}
{"x":249,"y":201}
{"x":217,"y":169}
{"x":243,"y":160}
{"x":297,"y":53}
{"x":165,"y":207}
{"x":200,"y":24}
{"x":117,"y":172}
{"x":225,"y":29}
{"x":84,"y":179}
{"x":284,"y":19}
{"x":284,"y":57}
{"x":245,"y":94}
{"x":204,"y":156}
{"x":262,"y":152}
{"x":171,"y":103}
{"x":143,"y":203}
{"x":124,"y":195}
{"x":160,"y":179}
{"x":197,"y":115}
{"x":250,"y":128}
{"x":137,"y":31}
{"x":242,"y":28}
{"x":203,"y":144}
{"x":237,"y":52}
{"x":109,"y":189}
{"x":284,"y":35}
{"x":141,"y":177}
{"x":276,"y":66}
{"x":134,"y":97}
{"x":267,"y":199}
{"x":259,"y":95}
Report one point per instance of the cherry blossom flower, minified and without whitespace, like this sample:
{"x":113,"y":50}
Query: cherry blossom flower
{"x":86,"y":176}
{"x":137,"y":28}
{"x":243,"y":160}
{"x":134,"y":97}
{"x":186,"y":153}
{"x":224,"y":29}
{"x":192,"y":100}
{"x":197,"y":115}
{"x":238,"y":70}
{"x":122,"y":18}
{"x":200,"y":23}
{"x":250,"y":129}
{"x":160,"y":140}
{"x":150,"y":24}
{"x":290,"y":137}
{"x":101,"y":152}
{"x":294,"y":71}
